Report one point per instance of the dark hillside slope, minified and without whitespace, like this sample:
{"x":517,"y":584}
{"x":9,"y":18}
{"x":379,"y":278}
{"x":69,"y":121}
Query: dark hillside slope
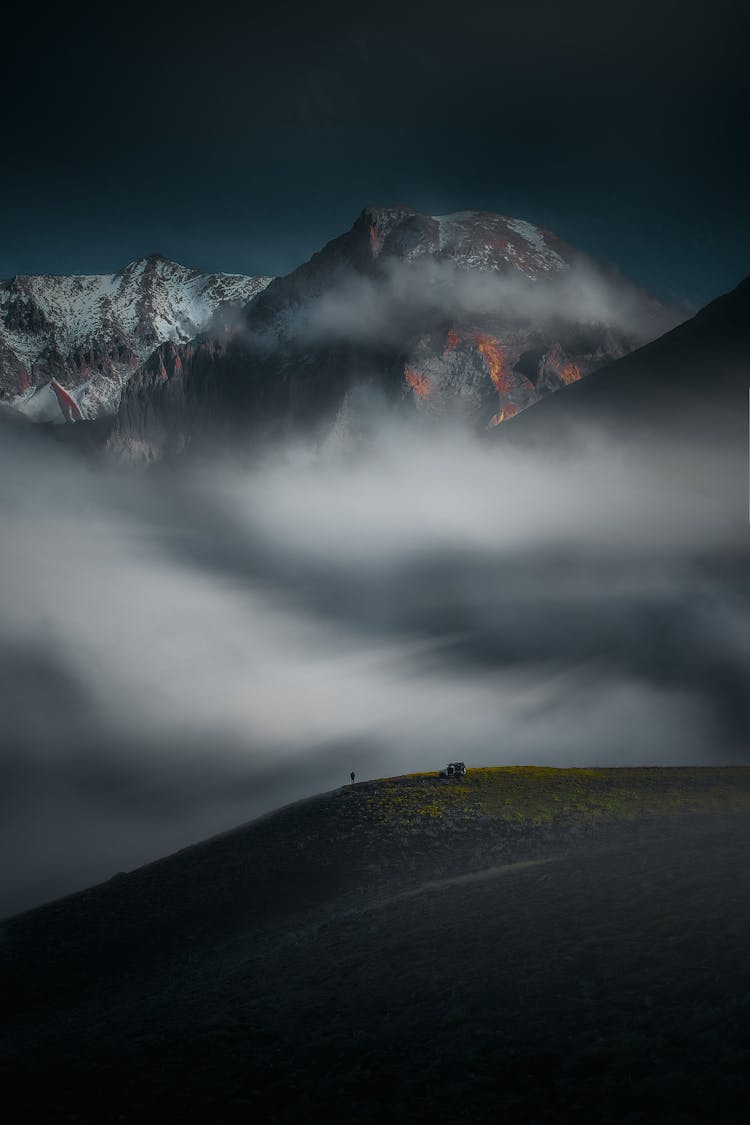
{"x":697,"y":376}
{"x":527,"y":945}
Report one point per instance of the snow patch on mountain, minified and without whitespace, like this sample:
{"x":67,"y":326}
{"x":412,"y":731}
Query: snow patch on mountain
{"x":535,"y":237}
{"x":484,"y":241}
{"x":92,"y":332}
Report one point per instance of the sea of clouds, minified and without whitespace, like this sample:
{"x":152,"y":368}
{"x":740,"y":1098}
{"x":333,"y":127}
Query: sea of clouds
{"x":182,"y":651}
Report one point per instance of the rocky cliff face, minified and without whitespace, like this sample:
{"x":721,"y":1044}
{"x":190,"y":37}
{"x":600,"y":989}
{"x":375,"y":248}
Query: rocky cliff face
{"x":68,"y":345}
{"x":473,"y":314}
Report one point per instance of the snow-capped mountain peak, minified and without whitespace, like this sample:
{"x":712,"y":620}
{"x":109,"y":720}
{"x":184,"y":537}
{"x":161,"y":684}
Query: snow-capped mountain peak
{"x":91,"y":332}
{"x":469,"y":239}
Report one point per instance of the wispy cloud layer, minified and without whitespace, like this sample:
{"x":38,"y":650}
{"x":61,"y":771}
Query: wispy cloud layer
{"x":375,"y":309}
{"x":180,"y":653}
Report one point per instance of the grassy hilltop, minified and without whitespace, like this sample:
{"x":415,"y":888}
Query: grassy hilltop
{"x":543,"y":795}
{"x":525,"y":945}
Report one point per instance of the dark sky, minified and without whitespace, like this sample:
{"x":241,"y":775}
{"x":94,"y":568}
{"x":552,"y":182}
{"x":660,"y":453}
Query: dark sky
{"x":236,"y":137}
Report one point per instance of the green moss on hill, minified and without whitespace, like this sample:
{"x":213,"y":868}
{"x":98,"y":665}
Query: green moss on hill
{"x":547,"y":796}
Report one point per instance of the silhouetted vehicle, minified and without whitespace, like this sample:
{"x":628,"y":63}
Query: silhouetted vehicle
{"x":454,"y":769}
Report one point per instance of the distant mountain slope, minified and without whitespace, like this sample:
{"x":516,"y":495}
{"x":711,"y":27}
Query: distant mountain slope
{"x":69,"y":344}
{"x":472,"y":314}
{"x":696,"y":375}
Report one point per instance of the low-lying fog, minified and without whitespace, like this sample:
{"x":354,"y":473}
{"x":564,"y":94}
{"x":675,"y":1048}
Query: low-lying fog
{"x":181,"y":652}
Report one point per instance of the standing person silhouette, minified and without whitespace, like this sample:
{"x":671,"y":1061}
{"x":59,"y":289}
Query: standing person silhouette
{"x":351,"y":775}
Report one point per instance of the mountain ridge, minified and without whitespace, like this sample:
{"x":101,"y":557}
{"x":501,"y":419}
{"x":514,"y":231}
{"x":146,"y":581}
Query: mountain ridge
{"x":90,"y":332}
{"x":472,"y":315}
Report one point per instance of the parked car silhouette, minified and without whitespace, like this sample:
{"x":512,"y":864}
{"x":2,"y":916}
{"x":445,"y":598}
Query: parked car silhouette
{"x":454,"y":769}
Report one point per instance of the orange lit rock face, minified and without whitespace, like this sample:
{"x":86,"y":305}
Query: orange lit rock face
{"x":376,"y":243}
{"x":498,"y":364}
{"x":494,"y":357}
{"x":503,"y":415}
{"x":418,"y":383}
{"x":570,"y":374}
{"x":492,"y":353}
